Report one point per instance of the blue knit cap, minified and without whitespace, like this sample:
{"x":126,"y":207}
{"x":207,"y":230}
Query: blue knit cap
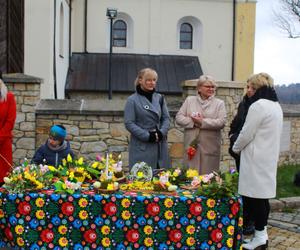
{"x":58,"y":132}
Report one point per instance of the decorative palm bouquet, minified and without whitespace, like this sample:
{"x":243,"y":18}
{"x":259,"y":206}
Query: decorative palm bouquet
{"x":27,"y":177}
{"x":219,"y":185}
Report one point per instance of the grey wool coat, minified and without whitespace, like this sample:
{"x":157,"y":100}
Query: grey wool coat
{"x":207,"y":157}
{"x":140,"y":117}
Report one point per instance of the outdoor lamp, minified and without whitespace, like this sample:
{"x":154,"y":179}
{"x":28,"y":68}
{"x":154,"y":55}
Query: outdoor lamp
{"x":111,"y":13}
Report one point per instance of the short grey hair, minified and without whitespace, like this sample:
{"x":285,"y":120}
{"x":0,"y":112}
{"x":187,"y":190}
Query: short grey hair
{"x":206,"y":78}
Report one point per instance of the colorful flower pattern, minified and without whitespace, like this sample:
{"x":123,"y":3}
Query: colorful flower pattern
{"x":80,"y":221}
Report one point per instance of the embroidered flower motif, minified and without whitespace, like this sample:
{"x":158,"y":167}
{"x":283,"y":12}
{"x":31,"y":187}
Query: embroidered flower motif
{"x":110,"y":208}
{"x":132,"y":235}
{"x":47,"y":235}
{"x":90,"y":236}
{"x":63,"y":242}
{"x":125,"y":203}
{"x":211,"y":214}
{"x":8,"y":233}
{"x":83,"y":215}
{"x":148,"y":230}
{"x":62,"y":229}
{"x":153,"y":209}
{"x":211,"y":203}
{"x":126,"y":215}
{"x":175,"y":235}
{"x":216,"y":235}
{"x":24,"y":208}
{"x":40,"y":214}
{"x":195,"y":209}
{"x":148,"y":242}
{"x":20,"y":242}
{"x":105,"y":230}
{"x":19,"y":229}
{"x":83,"y":202}
{"x":169,"y":215}
{"x":105,"y":242}
{"x":67,"y":208}
{"x":190,"y":241}
{"x":235,"y":208}
{"x":39,"y":202}
{"x":168,"y":202}
{"x":230,"y":230}
{"x":229,"y":242}
{"x":190,"y":229}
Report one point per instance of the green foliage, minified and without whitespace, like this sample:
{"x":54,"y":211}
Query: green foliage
{"x":285,"y":181}
{"x":219,"y":185}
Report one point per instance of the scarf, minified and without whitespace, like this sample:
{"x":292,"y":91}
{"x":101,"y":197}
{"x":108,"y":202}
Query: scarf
{"x":57,"y":148}
{"x":147,"y":94}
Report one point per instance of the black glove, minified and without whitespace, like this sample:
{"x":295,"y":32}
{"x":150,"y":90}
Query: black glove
{"x":152,"y":136}
{"x":160,"y":135}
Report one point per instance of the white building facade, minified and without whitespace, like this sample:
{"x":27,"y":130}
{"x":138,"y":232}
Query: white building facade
{"x":202,"y":28}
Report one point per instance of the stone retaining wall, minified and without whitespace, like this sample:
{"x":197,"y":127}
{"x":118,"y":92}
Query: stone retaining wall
{"x":95,"y":126}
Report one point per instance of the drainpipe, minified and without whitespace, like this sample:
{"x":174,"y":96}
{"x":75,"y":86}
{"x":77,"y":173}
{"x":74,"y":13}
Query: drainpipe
{"x":85,"y":26}
{"x":70,"y":32}
{"x":233,"y":39}
{"x":54,"y":52}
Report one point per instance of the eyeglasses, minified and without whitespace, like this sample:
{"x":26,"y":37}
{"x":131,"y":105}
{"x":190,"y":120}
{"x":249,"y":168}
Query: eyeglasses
{"x":209,"y":86}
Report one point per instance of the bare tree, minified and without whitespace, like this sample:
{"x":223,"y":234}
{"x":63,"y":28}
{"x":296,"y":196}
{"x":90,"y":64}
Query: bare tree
{"x":287,"y":17}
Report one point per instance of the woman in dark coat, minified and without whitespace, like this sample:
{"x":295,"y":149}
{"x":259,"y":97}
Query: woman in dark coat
{"x":236,"y":127}
{"x":7,"y":121}
{"x":147,"y":119}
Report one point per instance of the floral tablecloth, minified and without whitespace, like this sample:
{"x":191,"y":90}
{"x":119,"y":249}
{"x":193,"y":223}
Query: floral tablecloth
{"x":119,"y":221}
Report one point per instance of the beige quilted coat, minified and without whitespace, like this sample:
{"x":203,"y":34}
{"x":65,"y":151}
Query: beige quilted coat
{"x":207,"y":158}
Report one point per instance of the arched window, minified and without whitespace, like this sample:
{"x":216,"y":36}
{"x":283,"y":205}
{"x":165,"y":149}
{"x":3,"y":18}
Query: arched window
{"x":119,"y":33}
{"x":186,"y":36}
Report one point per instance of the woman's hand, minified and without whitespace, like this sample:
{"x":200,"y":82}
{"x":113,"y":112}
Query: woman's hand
{"x":197,"y":119}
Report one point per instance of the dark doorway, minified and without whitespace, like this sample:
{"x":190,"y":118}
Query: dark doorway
{"x":12,"y":36}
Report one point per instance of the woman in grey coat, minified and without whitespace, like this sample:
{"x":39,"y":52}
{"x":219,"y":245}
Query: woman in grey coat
{"x":147,"y":119}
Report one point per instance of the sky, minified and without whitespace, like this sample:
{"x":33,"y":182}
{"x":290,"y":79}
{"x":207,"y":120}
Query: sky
{"x":274,"y":52}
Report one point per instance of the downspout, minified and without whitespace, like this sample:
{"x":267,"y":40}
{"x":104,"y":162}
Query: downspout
{"x":54,"y":53}
{"x":70,"y":44}
{"x":70,"y":32}
{"x":85,"y":26}
{"x":233,"y":39}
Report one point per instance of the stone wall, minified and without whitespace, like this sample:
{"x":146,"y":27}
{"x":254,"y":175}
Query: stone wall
{"x":95,"y":126}
{"x":27,"y":93}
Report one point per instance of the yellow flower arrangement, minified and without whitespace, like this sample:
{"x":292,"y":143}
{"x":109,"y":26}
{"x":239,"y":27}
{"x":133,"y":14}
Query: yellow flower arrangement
{"x":28,"y":177}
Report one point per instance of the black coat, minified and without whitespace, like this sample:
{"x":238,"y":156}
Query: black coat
{"x":237,"y":125}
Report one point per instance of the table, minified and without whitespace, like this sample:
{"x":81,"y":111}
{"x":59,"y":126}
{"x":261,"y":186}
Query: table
{"x":119,"y":221}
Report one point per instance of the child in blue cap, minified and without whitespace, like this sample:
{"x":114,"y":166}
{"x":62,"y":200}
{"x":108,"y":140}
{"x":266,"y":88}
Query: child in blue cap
{"x":55,"y":149}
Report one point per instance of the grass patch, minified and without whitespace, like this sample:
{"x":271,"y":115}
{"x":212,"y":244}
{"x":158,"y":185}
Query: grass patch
{"x":285,"y":181}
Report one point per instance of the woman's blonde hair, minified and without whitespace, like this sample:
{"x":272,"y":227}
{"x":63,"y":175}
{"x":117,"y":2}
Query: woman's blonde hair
{"x":260,"y":80}
{"x":3,"y":91}
{"x":146,"y":73}
{"x":206,"y":79}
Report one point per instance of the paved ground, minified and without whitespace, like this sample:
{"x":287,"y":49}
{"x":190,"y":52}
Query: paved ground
{"x":284,"y":229}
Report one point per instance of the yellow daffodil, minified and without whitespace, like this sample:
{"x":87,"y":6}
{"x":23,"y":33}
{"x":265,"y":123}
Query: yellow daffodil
{"x":95,"y":164}
{"x":80,"y":161}
{"x":69,"y":158}
{"x":52,"y":169}
{"x":64,"y":162}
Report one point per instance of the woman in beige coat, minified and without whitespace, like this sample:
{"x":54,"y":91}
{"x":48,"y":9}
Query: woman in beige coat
{"x":202,"y":117}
